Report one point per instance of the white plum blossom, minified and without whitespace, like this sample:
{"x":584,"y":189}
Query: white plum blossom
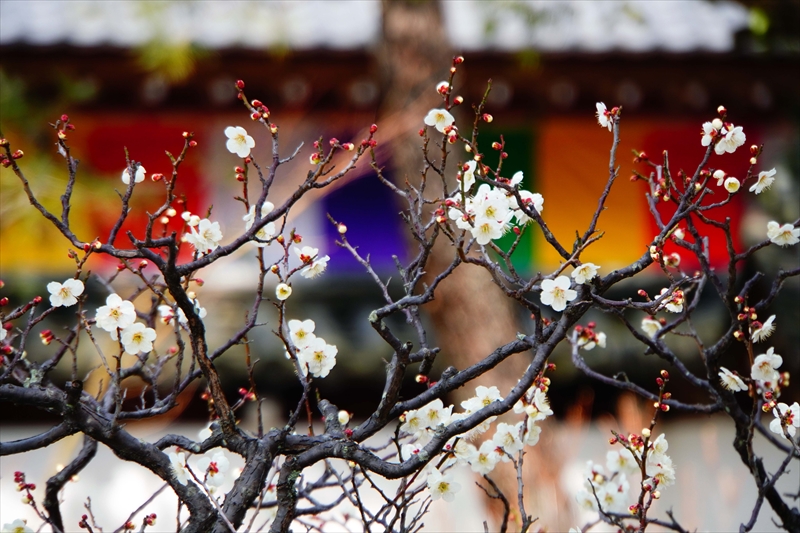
{"x":116,"y":314}
{"x":792,"y":416}
{"x":585,"y":272}
{"x":413,"y":423}
{"x":205,"y":237}
{"x":214,"y":468}
{"x":17,"y":526}
{"x":439,"y":118}
{"x":662,"y":469}
{"x":239,"y":142}
{"x":3,"y":333}
{"x":604,"y":116}
{"x":621,"y":461}
{"x":765,"y":365}
{"x":65,"y":294}
{"x":517,"y":178}
{"x":179,"y":468}
{"x":763,"y":331}
{"x":435,"y":414}
{"x":719,"y":175}
{"x":442,"y":486}
{"x":167,"y":313}
{"x":315,"y":265}
{"x":508,"y":437}
{"x":733,"y":138}
{"x":731,"y":381}
{"x":732,"y":185}
{"x":138,"y":177}
{"x":532,"y":200}
{"x":467,"y":177}
{"x":786,"y":235}
{"x":651,"y":326}
{"x":764,"y":181}
{"x":137,"y":338}
{"x":319,"y":357}
{"x":485,"y":458}
{"x":486,"y":230}
{"x":283,"y":291}
{"x":556,"y":293}
{"x":483,"y":396}
{"x":302,"y":332}
{"x":710,"y":131}
{"x":532,"y":433}
{"x":267,"y":231}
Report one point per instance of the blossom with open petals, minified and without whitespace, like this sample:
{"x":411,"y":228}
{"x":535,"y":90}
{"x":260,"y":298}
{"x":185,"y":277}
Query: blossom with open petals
{"x":604,"y":116}
{"x":710,"y":131}
{"x":439,"y":118}
{"x":267,"y":231}
{"x":485,"y":458}
{"x":319,"y":357}
{"x":651,"y":326}
{"x":179,"y":468}
{"x":731,"y":381}
{"x":205,"y":237}
{"x":239,"y":142}
{"x":763,"y":331}
{"x":17,"y":526}
{"x":214,"y":468}
{"x":442,"y":486}
{"x":65,"y":294}
{"x":467,"y":177}
{"x":138,"y":338}
{"x":315,"y":265}
{"x":786,"y":235}
{"x":733,"y":138}
{"x":791,"y":414}
{"x":137,"y":178}
{"x":556,"y":293}
{"x":585,"y":272}
{"x":301,"y":332}
{"x":765,"y":366}
{"x":116,"y":314}
{"x":764,"y":181}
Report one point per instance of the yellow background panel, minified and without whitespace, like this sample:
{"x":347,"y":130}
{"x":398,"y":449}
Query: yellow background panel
{"x":572,"y":170}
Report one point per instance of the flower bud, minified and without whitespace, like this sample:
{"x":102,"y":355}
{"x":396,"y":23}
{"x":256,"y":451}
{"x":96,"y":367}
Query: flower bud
{"x":646,"y":432}
{"x":754,"y":149}
{"x":158,"y":176}
{"x":164,"y":220}
{"x":17,"y":154}
{"x":468,"y":148}
{"x":738,"y":335}
{"x":255,"y":116}
{"x":722,"y":111}
{"x":421,"y":378}
{"x":716,"y":124}
{"x":458,"y":60}
{"x":753,"y":160}
{"x":487,"y":118}
{"x":37,"y":300}
{"x":3,"y":301}
{"x":458,"y":100}
{"x":373,"y":128}
{"x":192,"y":143}
{"x":344,"y":417}
{"x":342,"y":229}
{"x":665,"y":374}
{"x":62,"y":136}
{"x":240,"y":84}
{"x":256,"y":103}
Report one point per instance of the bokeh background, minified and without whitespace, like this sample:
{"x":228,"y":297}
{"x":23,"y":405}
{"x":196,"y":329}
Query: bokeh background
{"x":136,"y":74}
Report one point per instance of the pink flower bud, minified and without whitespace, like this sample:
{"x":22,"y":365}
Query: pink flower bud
{"x":373,"y":128}
{"x":487,"y":117}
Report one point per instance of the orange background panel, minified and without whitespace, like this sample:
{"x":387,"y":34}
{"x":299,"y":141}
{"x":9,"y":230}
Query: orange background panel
{"x":572,"y":171}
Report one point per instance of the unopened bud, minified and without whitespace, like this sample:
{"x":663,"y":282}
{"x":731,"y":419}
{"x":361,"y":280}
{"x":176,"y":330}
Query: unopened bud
{"x":753,"y":160}
{"x":458,"y":60}
{"x":17,"y":154}
{"x":722,"y":111}
{"x":373,"y":128}
{"x":421,"y":378}
{"x":458,"y":100}
{"x":273,"y":128}
{"x":255,"y":116}
{"x":497,"y":146}
{"x":665,"y":375}
{"x":738,"y":335}
{"x":342,"y":229}
{"x":239,"y":84}
{"x":164,"y":220}
{"x":487,"y":117}
{"x":646,"y":432}
{"x":754,"y":149}
{"x":157,"y":176}
{"x":192,"y":143}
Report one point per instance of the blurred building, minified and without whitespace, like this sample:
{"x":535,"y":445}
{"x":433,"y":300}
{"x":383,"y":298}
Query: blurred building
{"x":147,"y":71}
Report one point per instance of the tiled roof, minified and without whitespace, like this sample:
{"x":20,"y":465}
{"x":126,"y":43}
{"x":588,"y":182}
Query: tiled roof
{"x":554,"y":26}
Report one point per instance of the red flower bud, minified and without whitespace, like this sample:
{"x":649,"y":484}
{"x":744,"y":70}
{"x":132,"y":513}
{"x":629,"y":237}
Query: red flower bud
{"x":722,"y":111}
{"x":238,"y":169}
{"x":257,"y":103}
{"x":37,"y":300}
{"x":248,"y":160}
{"x":373,"y":128}
{"x":239,"y":177}
{"x":239,"y":84}
{"x":458,"y":60}
{"x":503,"y":155}
{"x":17,"y":154}
{"x":3,"y":301}
{"x":421,"y":132}
{"x":665,"y":375}
{"x":255,"y":116}
{"x":516,"y":230}
{"x":64,"y":118}
{"x":192,"y":143}
{"x":487,"y":117}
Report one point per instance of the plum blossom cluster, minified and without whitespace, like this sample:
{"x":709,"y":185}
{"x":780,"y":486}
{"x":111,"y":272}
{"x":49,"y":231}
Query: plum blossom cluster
{"x":725,"y":136}
{"x":587,"y":338}
{"x":492,"y":211}
{"x":314,"y":355}
{"x":203,"y":234}
{"x":118,"y":317}
{"x":506,"y":443}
